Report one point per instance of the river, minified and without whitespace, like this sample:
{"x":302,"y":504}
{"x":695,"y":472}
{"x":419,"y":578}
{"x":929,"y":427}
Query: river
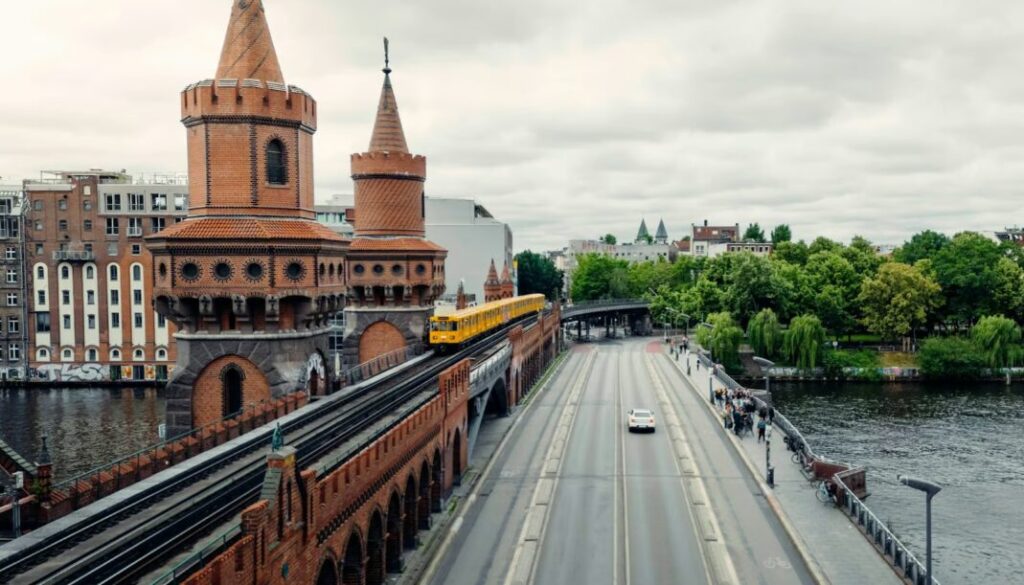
{"x":965,"y":438}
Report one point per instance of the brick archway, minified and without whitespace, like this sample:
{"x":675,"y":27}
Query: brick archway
{"x":378,"y":339}
{"x":227,"y":379}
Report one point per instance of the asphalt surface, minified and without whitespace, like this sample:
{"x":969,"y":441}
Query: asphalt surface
{"x":620,"y":514}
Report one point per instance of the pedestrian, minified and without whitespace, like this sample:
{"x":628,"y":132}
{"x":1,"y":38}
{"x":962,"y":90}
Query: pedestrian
{"x":760,"y":430}
{"x":737,"y":422}
{"x":771,"y":415}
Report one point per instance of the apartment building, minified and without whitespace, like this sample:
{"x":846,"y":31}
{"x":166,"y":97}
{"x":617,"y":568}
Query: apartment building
{"x":13,"y":340}
{"x":90,"y":309}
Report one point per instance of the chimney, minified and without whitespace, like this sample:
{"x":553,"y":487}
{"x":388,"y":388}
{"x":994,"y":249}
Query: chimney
{"x":705,"y":223}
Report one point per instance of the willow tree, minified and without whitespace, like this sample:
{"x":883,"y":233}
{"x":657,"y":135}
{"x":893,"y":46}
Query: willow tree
{"x":723,"y":339}
{"x":765,"y":333}
{"x":803,"y":341}
{"x":998,"y":338}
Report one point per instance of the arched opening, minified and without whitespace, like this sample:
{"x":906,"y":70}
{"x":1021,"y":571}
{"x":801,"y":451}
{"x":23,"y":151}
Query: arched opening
{"x":457,"y":458}
{"x":314,"y":383}
{"x":328,"y":573}
{"x":378,"y":339}
{"x":375,"y":550}
{"x":409,"y":523}
{"x":394,"y":546}
{"x":277,"y":169}
{"x":352,"y":566}
{"x":232,"y":391}
{"x":435,"y":485}
{"x":225,"y":314}
{"x":497,"y":401}
{"x":424,"y":502}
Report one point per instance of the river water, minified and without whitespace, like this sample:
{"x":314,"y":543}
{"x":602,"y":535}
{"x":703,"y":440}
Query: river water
{"x":85,"y":427}
{"x":966,"y":439}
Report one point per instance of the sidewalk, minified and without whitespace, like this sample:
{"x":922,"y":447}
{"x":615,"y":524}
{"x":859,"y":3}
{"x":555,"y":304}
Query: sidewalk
{"x":836,"y":545}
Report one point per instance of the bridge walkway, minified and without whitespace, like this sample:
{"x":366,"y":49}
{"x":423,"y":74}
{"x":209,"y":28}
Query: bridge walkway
{"x":836,"y":547}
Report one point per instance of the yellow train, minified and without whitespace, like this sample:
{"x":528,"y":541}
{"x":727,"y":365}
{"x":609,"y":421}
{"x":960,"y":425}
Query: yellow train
{"x":457,"y":328}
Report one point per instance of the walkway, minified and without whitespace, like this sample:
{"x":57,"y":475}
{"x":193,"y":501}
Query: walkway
{"x":835,"y":546}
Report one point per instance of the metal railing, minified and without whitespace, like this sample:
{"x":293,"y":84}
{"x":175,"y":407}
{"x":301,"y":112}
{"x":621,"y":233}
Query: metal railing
{"x":73,"y":256}
{"x":382,"y":363}
{"x":604,"y":303}
{"x":187,"y":565}
{"x":881,"y":537}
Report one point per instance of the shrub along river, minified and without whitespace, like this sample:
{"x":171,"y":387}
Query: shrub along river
{"x":968,"y":438}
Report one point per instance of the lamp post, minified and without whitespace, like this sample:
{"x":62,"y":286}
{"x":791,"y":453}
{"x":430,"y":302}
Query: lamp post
{"x":930,"y":489}
{"x":766,"y":366}
{"x":12,"y":492}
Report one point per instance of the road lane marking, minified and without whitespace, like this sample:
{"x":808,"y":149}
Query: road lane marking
{"x":621,"y":452}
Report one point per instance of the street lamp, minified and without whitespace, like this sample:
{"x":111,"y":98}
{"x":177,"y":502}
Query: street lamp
{"x":766,"y":366}
{"x":12,"y":485}
{"x":930,"y":489}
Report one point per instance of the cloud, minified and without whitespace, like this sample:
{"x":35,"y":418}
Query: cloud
{"x":571,"y":119}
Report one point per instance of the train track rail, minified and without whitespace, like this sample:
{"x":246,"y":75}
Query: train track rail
{"x":123,"y":543}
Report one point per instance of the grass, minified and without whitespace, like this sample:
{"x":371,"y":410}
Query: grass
{"x":898,"y":359}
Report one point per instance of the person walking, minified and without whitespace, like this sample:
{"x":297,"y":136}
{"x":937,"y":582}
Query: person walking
{"x":771,"y":415}
{"x":760,"y":430}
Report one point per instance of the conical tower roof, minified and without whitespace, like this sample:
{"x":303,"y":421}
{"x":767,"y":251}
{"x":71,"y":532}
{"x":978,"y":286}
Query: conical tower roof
{"x":642,"y":233}
{"x":248,"y":51}
{"x":661,"y":234}
{"x":506,"y":276}
{"x":388,"y":135}
{"x":492,"y":275}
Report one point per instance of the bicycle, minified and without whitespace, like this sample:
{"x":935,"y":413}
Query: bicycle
{"x":824,"y":493}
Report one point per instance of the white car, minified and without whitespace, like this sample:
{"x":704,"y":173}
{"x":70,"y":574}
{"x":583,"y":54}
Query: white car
{"x":640,"y":419}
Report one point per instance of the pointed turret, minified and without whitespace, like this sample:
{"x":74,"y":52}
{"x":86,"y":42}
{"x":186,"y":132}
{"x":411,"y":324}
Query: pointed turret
{"x":492,"y":286}
{"x":507,"y":286}
{"x":642,"y":234}
{"x":492,"y":275}
{"x":248,"y":51}
{"x":388,"y":135}
{"x":661,"y":235}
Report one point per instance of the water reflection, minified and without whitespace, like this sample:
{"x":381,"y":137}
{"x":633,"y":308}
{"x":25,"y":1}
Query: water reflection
{"x":85,"y":427}
{"x":966,"y":438}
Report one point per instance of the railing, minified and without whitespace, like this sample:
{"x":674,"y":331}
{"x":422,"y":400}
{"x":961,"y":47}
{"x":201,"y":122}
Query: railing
{"x":382,"y":363}
{"x":604,"y":303}
{"x":189,"y":563}
{"x":498,"y":359}
{"x":880,"y":536}
{"x":73,"y":256}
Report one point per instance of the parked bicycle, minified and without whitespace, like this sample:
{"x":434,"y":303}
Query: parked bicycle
{"x":826,"y":492}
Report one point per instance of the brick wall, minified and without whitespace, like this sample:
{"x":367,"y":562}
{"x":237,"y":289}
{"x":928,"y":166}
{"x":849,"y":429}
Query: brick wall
{"x":208,"y":390}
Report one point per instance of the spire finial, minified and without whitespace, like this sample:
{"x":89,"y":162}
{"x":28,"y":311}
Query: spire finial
{"x":387,"y":58}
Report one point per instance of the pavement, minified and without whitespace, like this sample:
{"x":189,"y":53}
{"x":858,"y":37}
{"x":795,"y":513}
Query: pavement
{"x":833,"y":547}
{"x":568,"y":496}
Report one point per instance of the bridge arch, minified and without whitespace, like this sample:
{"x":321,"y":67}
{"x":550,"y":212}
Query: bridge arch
{"x":436,"y":482}
{"x":393,"y":550}
{"x":409,"y":521}
{"x":352,"y":564}
{"x":328,"y":574}
{"x":375,"y":549}
{"x":497,"y":401}
{"x":457,"y":457}
{"x":424,"y":502}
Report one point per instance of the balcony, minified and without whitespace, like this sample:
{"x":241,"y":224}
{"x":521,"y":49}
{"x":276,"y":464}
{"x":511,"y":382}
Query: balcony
{"x":73,"y":256}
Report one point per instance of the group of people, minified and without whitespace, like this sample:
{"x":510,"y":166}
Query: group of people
{"x":739,"y":411}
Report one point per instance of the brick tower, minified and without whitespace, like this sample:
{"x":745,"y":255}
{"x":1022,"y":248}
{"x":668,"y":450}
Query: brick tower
{"x":492,"y":286}
{"x":395,"y":273}
{"x":508,"y":288}
{"x":250,"y":278}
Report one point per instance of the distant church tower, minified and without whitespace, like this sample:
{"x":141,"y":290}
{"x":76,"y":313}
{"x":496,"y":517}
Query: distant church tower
{"x":395,"y":272}
{"x":250,"y":278}
{"x":642,"y":234}
{"x":492,"y":285}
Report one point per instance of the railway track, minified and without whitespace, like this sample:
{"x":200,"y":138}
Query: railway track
{"x":128,"y":540}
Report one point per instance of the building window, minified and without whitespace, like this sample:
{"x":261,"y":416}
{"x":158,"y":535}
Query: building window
{"x":68,"y":354}
{"x":43,"y":354}
{"x":115,"y":354}
{"x":113,"y":272}
{"x":39,"y":226}
{"x":138,"y":320}
{"x":11,"y":253}
{"x":277,"y":171}
{"x":159,"y":223}
{"x":159,"y":201}
{"x":37,"y":205}
{"x":12,"y":299}
{"x":39,"y":249}
{"x":14,"y":352}
{"x":161,"y":354}
{"x":41,"y":297}
{"x":90,"y":297}
{"x":65,"y":297}
{"x":92,"y":355}
{"x":115,"y":320}
{"x":113,"y":202}
{"x":137,"y":296}
{"x":139,"y":355}
{"x":90,"y":272}
{"x":136,"y":202}
{"x":112,"y":249}
{"x":115,"y":297}
{"x":88,"y":248}
{"x":65,"y":273}
{"x":42,"y":322}
{"x":13,"y":325}
{"x":87,"y":205}
{"x":161,"y":321}
{"x":62,"y":204}
{"x":137,"y":273}
{"x":87,"y":225}
{"x":135,"y":226}
{"x":180,"y":202}
{"x":113,"y":226}
{"x":67,"y":321}
{"x":12,"y":276}
{"x":137,"y":249}
{"x":91,"y":320}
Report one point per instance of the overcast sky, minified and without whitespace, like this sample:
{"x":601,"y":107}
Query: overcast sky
{"x":572,"y":118}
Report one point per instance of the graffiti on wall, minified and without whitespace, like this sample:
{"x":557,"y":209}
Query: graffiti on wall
{"x":74,"y":372}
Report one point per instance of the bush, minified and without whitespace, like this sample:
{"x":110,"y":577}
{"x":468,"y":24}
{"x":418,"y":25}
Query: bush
{"x":868,"y":361}
{"x":951,"y":358}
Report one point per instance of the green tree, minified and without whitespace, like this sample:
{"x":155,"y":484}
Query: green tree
{"x":723,"y":339}
{"x":538,"y":275}
{"x":998,"y":339}
{"x":650,"y":275}
{"x":754,"y":233}
{"x":1008,"y":295}
{"x":800,"y":291}
{"x":609,"y":239}
{"x":862,"y":256}
{"x":966,"y":269}
{"x":765,"y":333}
{"x":702,"y":299}
{"x":823,"y":244}
{"x":792,"y":252}
{"x":753,"y":285}
{"x":781,"y":234}
{"x":921,"y":246}
{"x":802,"y":343}
{"x":897,"y":300}
{"x":834,"y":283}
{"x":600,"y":277}
{"x":951,"y":358}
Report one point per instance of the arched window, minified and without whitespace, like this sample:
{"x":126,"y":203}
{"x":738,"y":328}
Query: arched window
{"x":92,"y":355}
{"x":115,"y":355}
{"x":43,"y":354}
{"x":113,"y":272}
{"x":161,"y":354}
{"x":89,"y":272}
{"x":232,"y":379}
{"x":69,"y":354}
{"x":277,"y":169}
{"x":40,"y":273}
{"x":65,"y":273}
{"x":136,"y":273}
{"x":139,"y":355}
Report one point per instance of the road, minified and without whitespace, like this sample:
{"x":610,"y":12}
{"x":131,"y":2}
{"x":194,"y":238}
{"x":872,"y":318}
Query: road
{"x":620,"y":511}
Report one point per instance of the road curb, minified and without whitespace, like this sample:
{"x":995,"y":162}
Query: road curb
{"x":813,"y":567}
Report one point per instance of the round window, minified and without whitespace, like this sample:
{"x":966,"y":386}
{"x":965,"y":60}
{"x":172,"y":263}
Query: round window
{"x":190,"y":271}
{"x":378,"y":269}
{"x":359,"y":269}
{"x":294,"y":270}
{"x":396,"y":269}
{"x":254,"y":270}
{"x":421,"y":269}
{"x":222,"y":271}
